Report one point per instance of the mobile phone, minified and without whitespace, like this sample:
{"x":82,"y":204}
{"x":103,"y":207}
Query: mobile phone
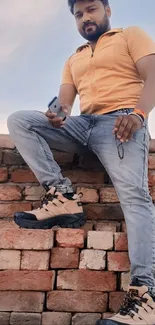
{"x":55,"y":107}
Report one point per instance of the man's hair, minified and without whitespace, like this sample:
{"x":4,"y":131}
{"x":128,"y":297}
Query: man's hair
{"x":71,"y":3}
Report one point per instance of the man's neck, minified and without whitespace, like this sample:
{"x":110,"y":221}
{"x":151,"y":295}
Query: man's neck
{"x":93,"y":44}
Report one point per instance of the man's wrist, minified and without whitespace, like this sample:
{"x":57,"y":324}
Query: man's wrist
{"x":140,"y":112}
{"x":139,"y":116}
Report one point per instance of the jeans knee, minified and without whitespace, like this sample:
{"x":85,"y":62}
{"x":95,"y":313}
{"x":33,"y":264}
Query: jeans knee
{"x":13,"y":120}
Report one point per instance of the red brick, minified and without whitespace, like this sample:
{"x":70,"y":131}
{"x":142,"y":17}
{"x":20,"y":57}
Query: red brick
{"x":26,"y":239}
{"x":151,"y":163}
{"x":4,"y":318}
{"x":11,"y":158}
{"x":64,"y":258}
{"x":152,"y":145}
{"x":100,"y":240}
{"x":151,"y":178}
{"x":77,"y":301}
{"x":80,"y":176}
{"x":6,"y":142}
{"x":10,"y":193}
{"x":33,"y":260}
{"x":63,"y":158}
{"x":124,"y":226}
{"x":25,"y":319}
{"x":27,"y":280}
{"x":92,"y":259}
{"x":33,"y":193}
{"x":86,"y":280}
{"x":88,"y":195}
{"x":9,"y":209}
{"x":115,"y":300}
{"x":9,"y":260}
{"x":118,"y":261}
{"x":22,"y":301}
{"x":125,"y":280}
{"x":112,"y":226}
{"x":107,"y":315}
{"x":23,"y":176}
{"x":7,"y":224}
{"x":3,"y":174}
{"x":121,"y":241}
{"x":85,"y":318}
{"x":103,"y":212}
{"x":87,"y":227}
{"x":56,"y":318}
{"x":108,"y":195}
{"x":70,"y":238}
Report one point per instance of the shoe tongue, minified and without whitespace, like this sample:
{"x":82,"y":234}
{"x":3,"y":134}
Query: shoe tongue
{"x":138,"y":291}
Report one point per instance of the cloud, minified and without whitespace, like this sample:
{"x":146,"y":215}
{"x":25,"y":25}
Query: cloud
{"x":21,"y":20}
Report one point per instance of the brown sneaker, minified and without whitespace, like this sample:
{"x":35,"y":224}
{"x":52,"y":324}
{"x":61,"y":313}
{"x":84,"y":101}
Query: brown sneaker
{"x":138,"y":308}
{"x":57,"y":209}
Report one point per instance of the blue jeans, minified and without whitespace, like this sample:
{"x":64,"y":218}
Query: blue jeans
{"x":34,"y":136}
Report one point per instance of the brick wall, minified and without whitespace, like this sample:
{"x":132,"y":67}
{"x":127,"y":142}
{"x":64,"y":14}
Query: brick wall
{"x":62,"y":276}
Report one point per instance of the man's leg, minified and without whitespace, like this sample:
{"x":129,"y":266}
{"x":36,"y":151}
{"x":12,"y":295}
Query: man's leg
{"x":129,"y":177}
{"x":33,"y":136}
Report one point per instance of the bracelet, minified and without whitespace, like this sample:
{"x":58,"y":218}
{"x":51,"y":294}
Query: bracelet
{"x":139,"y":116}
{"x":140,"y":112}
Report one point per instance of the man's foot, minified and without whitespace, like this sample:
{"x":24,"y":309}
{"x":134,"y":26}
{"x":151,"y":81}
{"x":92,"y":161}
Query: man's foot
{"x":138,"y":308}
{"x":57,"y":209}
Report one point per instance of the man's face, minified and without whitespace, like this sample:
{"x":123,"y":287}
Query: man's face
{"x":92,"y":19}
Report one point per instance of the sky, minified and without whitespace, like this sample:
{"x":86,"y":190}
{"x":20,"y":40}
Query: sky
{"x":37,"y":37}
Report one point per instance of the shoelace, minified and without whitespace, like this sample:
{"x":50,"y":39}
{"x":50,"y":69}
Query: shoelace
{"x":47,"y":197}
{"x":129,"y":304}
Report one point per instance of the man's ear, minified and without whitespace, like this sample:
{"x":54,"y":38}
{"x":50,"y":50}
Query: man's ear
{"x":108,"y":11}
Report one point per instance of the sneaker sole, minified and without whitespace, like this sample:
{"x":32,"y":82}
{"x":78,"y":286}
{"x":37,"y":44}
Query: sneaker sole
{"x":63,"y":221}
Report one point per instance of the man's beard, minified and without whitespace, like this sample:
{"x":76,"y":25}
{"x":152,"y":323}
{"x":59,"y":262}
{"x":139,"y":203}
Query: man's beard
{"x":100,"y":30}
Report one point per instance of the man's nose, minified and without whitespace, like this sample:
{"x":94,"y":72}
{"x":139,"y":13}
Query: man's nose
{"x":86,"y":18}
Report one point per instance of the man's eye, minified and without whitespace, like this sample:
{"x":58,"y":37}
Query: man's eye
{"x":92,"y":9}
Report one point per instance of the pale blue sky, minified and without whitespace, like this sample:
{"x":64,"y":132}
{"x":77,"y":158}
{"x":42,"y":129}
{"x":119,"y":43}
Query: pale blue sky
{"x":37,"y":37}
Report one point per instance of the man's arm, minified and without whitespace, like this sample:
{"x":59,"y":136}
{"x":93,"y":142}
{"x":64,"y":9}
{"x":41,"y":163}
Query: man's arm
{"x":146,"y":69}
{"x":67,"y":95}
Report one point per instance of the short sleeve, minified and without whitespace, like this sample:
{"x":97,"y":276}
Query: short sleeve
{"x":66,"y":75}
{"x":140,"y":44}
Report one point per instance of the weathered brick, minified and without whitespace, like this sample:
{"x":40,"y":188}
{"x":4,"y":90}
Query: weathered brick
{"x":23,"y":176}
{"x":34,"y":193}
{"x":108,"y":195}
{"x":70,"y":238}
{"x":6,"y":142}
{"x":10,"y":193}
{"x":87,"y":227}
{"x":152,"y":146}
{"x":85,"y":318}
{"x":3,"y":174}
{"x":88,"y":195}
{"x":22,"y":301}
{"x":9,"y":260}
{"x":100,"y":240}
{"x":77,"y":301}
{"x":12,"y":158}
{"x":4,"y":318}
{"x":7,"y":224}
{"x":81,"y":176}
{"x":151,"y":178}
{"x":103,"y":212}
{"x":64,"y":258}
{"x":125,"y":280}
{"x":107,"y":315}
{"x":86,"y":280}
{"x":26,"y":239}
{"x":115,"y":300}
{"x":112,"y":226}
{"x":121,"y":241}
{"x":1,"y":155}
{"x":92,"y":259}
{"x":118,"y":261}
{"x":25,"y":319}
{"x":9,"y":209}
{"x":27,"y":280}
{"x":33,"y":260}
{"x":124,"y":226}
{"x":63,"y":158}
{"x":151,"y":164}
{"x":56,"y":318}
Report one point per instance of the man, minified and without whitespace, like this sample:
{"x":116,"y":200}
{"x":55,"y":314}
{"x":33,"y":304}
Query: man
{"x":114,"y":75}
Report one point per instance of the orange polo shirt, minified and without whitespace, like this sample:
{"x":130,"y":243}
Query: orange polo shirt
{"x":107,"y":79}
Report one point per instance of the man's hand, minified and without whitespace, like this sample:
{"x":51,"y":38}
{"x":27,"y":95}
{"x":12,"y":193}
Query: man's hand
{"x":56,"y":121}
{"x":125,"y":126}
